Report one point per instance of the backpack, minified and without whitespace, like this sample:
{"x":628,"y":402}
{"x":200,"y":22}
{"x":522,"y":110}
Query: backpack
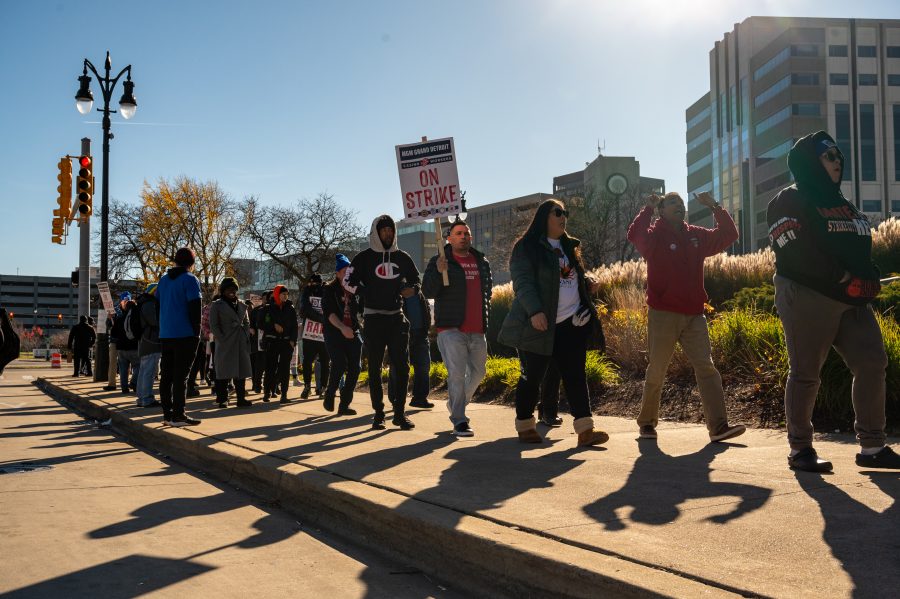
{"x":132,"y":324}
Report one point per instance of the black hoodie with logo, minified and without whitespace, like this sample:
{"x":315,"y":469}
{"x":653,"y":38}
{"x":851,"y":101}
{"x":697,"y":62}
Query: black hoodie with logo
{"x":377,"y":274}
{"x":821,"y":240}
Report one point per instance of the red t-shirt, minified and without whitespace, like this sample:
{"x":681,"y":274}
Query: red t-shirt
{"x":474,"y":320}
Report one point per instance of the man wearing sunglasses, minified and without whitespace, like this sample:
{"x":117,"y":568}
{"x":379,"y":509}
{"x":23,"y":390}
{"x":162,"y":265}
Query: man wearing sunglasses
{"x":825,"y":281}
{"x":675,"y":251}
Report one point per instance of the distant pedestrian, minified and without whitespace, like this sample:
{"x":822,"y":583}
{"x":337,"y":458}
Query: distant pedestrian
{"x":550,"y":320}
{"x":280,"y":329}
{"x":383,"y":275}
{"x":675,"y":252}
{"x":259,"y":358}
{"x":113,"y":357}
{"x":81,"y":339}
{"x":149,"y":348}
{"x":311,"y":310}
{"x":179,"y":298}
{"x":342,"y":339}
{"x":229,"y":323}
{"x":825,"y":281}
{"x":461,"y":313}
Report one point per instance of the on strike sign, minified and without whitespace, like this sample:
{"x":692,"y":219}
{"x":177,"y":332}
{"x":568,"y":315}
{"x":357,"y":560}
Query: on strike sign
{"x":429,"y":181}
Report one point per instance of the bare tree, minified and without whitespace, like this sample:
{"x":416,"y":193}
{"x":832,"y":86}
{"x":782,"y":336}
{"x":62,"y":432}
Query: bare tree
{"x":600,"y":220}
{"x":302,"y":238}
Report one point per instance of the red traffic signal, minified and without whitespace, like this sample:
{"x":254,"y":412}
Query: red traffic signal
{"x":84,"y":186}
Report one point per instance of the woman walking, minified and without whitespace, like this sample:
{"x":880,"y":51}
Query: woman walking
{"x":229,"y":324}
{"x":550,"y":320}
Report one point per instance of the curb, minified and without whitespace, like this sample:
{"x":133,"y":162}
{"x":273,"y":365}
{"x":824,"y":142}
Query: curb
{"x":482,"y":557}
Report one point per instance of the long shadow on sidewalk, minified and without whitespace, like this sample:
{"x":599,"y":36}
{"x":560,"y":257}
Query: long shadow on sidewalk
{"x":862,"y":539}
{"x":659,"y":483}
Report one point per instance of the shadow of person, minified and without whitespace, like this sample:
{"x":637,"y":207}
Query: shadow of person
{"x":659,"y":483}
{"x":861,"y":538}
{"x":167,"y":510}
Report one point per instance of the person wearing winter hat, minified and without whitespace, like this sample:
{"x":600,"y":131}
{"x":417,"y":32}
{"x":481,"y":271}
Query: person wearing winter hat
{"x":179,"y":298}
{"x":279,"y":325}
{"x":383,"y":275}
{"x":341,"y":332}
{"x":81,"y":339}
{"x":229,"y":323}
{"x":825,"y":281}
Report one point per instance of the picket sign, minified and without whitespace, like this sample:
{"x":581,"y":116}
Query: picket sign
{"x":439,"y":238}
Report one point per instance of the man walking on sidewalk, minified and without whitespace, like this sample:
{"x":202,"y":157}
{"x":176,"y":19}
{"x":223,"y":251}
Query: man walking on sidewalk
{"x":461,"y":313}
{"x":383,"y":274}
{"x":675,"y":251}
{"x":311,"y":310}
{"x":179,"y":297}
{"x":81,"y":339}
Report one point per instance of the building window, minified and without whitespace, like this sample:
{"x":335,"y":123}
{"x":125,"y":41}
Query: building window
{"x":894,"y":80}
{"x":867,"y":141}
{"x":771,"y":92}
{"x":893,"y":51}
{"x":773,"y":120}
{"x":842,"y":135}
{"x":774,"y":183}
{"x":774,"y":153}
{"x":868,"y":79}
{"x":871,"y":205}
{"x":866,"y":51}
{"x":804,"y":50}
{"x":772,"y":63}
{"x":806,"y":109}
{"x":703,"y":115}
{"x":896,"y":108}
{"x":839,"y":79}
{"x":699,"y":140}
{"x":837,"y":50}
{"x":895,"y":206}
{"x":761,"y":217}
{"x":805,"y":78}
{"x":693,"y":168}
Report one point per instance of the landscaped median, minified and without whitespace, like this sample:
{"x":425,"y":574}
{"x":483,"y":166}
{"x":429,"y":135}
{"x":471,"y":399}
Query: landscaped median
{"x":256,"y":451}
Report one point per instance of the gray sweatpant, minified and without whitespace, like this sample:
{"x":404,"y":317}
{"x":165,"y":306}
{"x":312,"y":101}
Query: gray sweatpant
{"x":813,"y":324}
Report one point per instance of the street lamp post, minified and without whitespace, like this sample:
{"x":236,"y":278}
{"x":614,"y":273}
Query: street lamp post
{"x":84,"y":100}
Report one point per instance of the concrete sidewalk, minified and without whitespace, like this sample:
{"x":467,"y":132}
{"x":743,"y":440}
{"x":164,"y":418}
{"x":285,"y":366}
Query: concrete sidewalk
{"x":677,"y":517}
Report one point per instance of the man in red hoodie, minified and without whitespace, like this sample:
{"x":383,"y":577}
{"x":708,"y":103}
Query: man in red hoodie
{"x":675,"y":251}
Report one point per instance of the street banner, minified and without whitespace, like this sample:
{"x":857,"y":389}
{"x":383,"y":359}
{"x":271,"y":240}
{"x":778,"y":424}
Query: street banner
{"x":429,"y":182}
{"x":312,"y":330}
{"x":106,"y":297}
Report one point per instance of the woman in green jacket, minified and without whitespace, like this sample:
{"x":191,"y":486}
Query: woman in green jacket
{"x":550,"y":320}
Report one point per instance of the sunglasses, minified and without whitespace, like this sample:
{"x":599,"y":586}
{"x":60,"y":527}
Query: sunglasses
{"x":560,"y":212}
{"x":832,"y":156}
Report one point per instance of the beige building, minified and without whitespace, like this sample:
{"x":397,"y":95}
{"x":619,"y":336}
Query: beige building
{"x":774,"y":80}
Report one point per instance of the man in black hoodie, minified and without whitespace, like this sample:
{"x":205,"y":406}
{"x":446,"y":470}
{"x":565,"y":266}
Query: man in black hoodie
{"x":382,"y":275}
{"x":81,"y":339}
{"x":824,"y":283}
{"x":311,"y":310}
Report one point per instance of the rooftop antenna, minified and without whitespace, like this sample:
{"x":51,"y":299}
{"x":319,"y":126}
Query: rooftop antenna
{"x":600,"y":148}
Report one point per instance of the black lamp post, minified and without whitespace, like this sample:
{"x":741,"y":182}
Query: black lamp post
{"x":84,"y":99}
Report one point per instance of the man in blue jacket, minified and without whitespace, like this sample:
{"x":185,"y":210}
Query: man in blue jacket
{"x":178,"y":293}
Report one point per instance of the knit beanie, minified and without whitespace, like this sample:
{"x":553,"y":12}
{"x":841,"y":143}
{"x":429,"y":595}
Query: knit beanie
{"x":341,"y":261}
{"x":228,"y":283}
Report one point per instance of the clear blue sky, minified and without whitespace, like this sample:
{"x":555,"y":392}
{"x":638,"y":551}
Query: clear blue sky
{"x":286,"y":99}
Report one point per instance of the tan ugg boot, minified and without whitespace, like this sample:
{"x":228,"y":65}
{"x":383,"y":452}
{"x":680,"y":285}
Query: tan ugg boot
{"x":586,"y":434}
{"x":527,"y":431}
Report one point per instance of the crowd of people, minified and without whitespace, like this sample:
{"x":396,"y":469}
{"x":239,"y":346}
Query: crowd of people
{"x":825,"y":281}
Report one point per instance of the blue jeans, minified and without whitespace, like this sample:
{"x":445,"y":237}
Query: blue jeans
{"x":465,"y":356}
{"x":126,"y":358}
{"x":146,"y":375}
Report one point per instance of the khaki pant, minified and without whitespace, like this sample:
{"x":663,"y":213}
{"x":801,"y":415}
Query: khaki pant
{"x":664,"y":329}
{"x":813,"y":324}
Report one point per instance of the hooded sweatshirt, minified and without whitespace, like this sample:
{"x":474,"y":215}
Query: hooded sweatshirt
{"x":280,"y":311}
{"x":817,"y":235}
{"x":378,"y":273}
{"x":179,"y":296}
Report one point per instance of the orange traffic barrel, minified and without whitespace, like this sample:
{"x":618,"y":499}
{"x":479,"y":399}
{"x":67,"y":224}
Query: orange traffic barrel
{"x":56,"y":360}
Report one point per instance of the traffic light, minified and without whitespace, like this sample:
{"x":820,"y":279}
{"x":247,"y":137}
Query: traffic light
{"x":84,"y":187}
{"x":64,"y":188}
{"x":59,"y":224}
{"x":59,"y":317}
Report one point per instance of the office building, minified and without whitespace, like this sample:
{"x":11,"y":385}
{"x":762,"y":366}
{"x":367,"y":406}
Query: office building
{"x":774,"y":80}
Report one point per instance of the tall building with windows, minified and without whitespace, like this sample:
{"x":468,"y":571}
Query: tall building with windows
{"x":774,"y":80}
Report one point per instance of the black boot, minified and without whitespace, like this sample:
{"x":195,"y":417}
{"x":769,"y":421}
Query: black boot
{"x":328,"y":402}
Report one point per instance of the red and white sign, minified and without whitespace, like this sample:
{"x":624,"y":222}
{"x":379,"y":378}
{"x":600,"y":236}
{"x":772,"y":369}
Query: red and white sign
{"x":312,"y":330}
{"x":429,"y":181}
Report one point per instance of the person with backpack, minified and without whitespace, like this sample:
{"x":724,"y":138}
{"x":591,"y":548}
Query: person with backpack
{"x":127,"y":331}
{"x":148,"y":347}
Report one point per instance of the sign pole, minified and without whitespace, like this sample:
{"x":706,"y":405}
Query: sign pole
{"x":438,"y":237}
